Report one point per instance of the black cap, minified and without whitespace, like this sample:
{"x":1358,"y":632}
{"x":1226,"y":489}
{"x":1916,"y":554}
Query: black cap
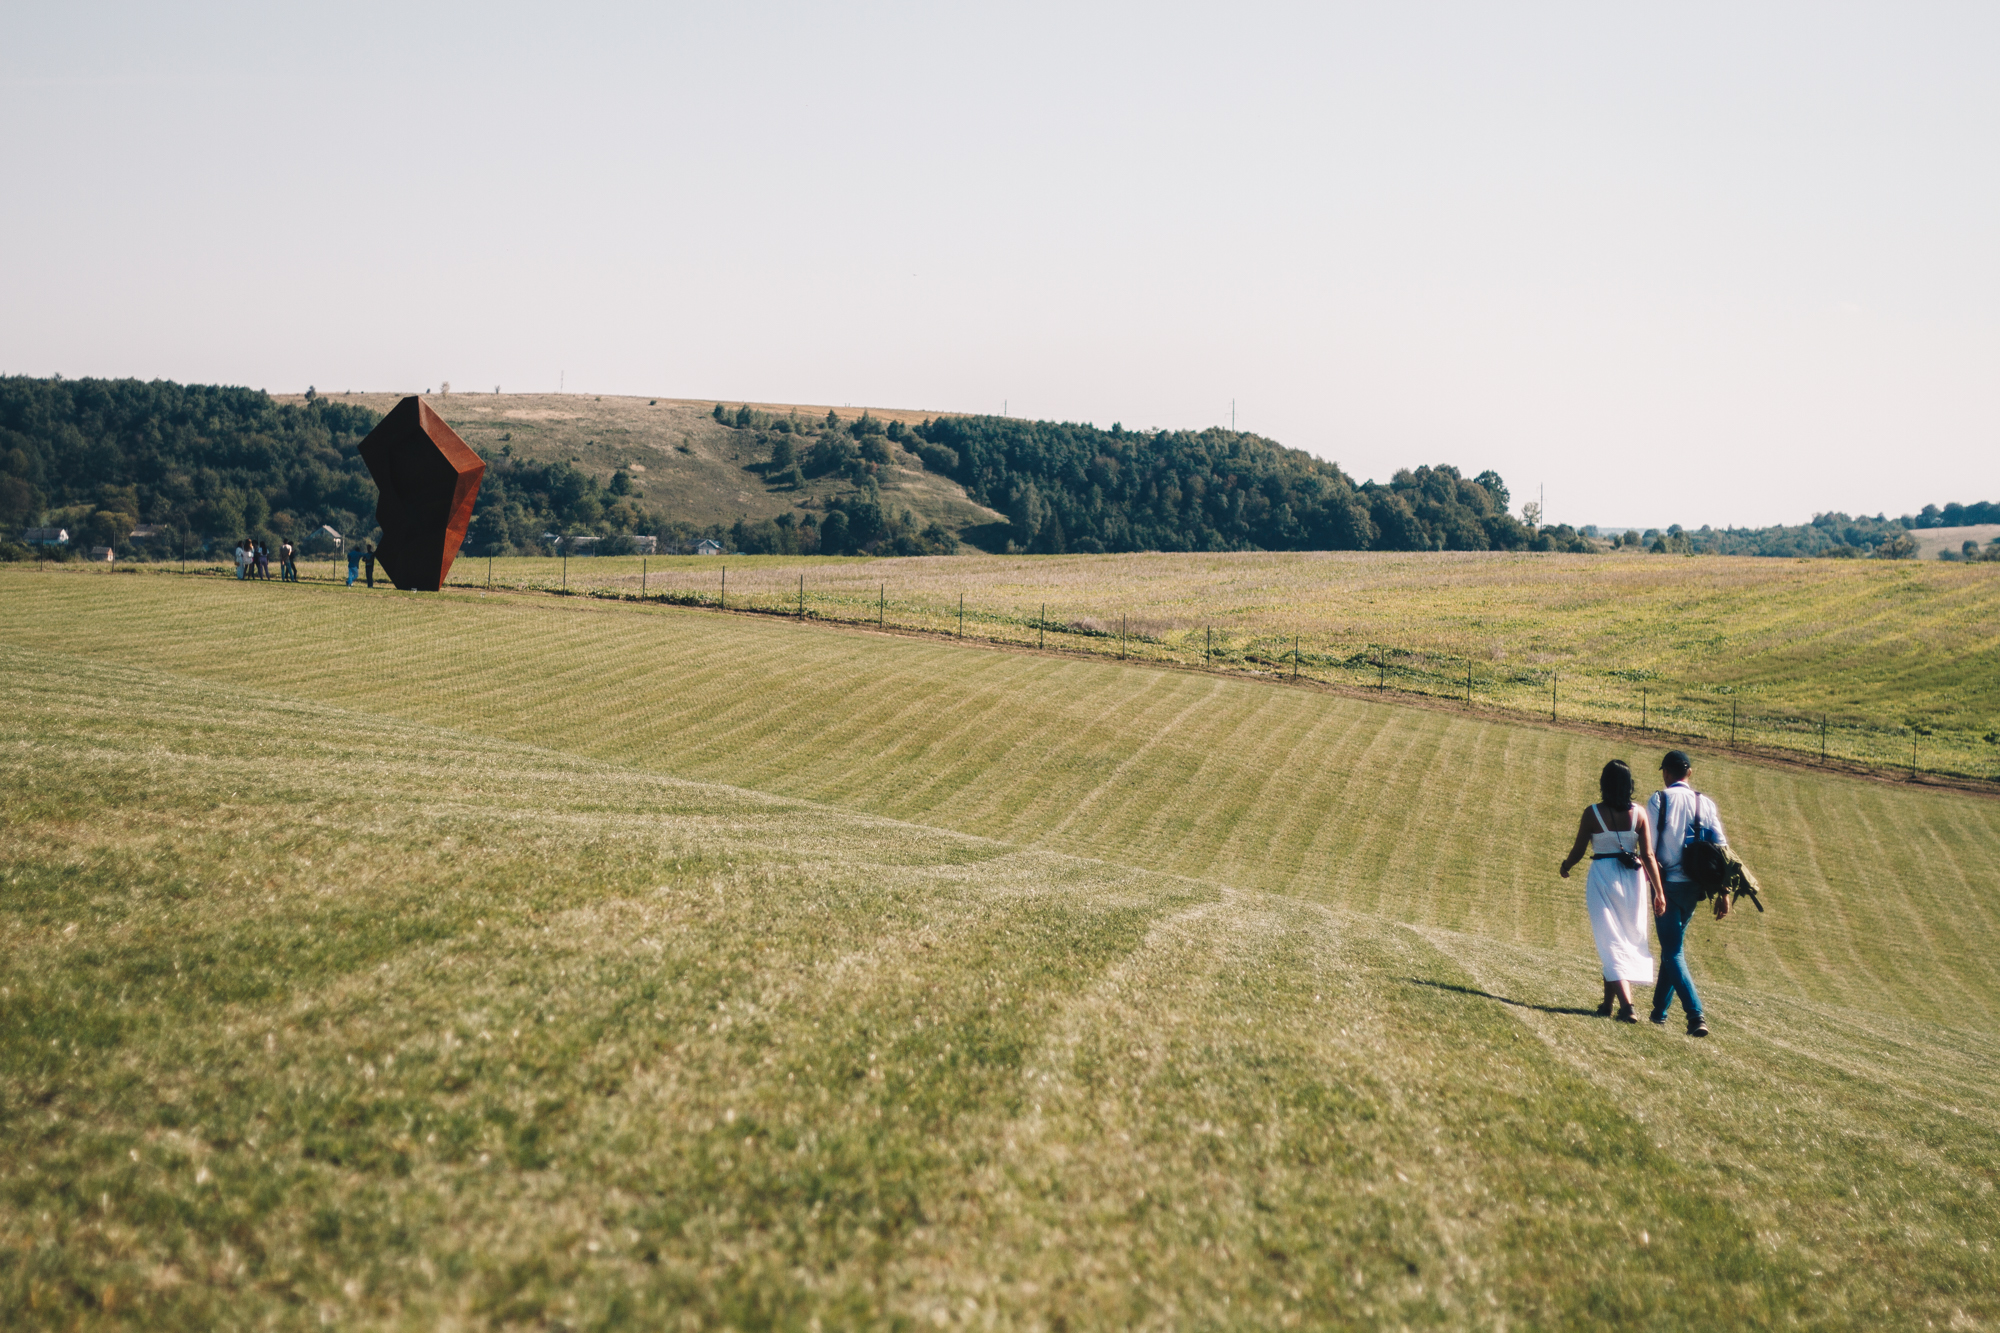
{"x":1677,"y":760}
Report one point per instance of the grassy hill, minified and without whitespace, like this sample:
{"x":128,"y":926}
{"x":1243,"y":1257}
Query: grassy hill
{"x":682,"y":459}
{"x":630,"y":964}
{"x":1893,"y":655}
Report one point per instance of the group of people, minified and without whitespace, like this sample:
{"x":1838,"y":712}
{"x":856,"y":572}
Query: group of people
{"x":253,"y":561}
{"x":1636,"y":875}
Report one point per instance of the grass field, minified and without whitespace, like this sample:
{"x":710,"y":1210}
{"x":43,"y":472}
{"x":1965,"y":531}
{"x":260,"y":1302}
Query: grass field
{"x":1900,"y":660}
{"x":465,"y":961}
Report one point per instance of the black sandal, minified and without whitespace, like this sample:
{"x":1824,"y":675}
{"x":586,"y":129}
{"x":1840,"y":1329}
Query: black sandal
{"x":1604,"y":1010}
{"x":1625,"y":1014}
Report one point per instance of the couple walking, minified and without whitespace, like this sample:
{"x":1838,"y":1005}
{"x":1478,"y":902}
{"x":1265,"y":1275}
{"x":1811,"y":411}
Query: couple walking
{"x":1635,"y":872}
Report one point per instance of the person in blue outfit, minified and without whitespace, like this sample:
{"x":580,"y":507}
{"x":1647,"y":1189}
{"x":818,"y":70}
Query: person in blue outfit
{"x":1672,"y":811}
{"x":353,"y":564}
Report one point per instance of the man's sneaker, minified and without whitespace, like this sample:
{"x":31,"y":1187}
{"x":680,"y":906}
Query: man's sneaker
{"x":1697,"y":1027}
{"x":1657,"y":1020}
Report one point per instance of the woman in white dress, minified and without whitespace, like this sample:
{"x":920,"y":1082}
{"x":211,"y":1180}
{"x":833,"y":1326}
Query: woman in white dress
{"x":1618,"y":839}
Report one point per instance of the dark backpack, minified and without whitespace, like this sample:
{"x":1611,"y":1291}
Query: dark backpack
{"x":1704,"y":857}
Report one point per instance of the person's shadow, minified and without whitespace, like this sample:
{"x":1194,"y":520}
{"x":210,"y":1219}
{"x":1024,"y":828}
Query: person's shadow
{"x":1489,"y":995}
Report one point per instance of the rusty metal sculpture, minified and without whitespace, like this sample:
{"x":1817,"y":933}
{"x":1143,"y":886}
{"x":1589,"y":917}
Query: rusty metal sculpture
{"x":427,"y":478}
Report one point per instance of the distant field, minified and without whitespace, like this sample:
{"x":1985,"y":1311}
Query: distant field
{"x":1932,"y":540}
{"x":393,"y":961}
{"x":1887,"y":653}
{"x":683,"y":460}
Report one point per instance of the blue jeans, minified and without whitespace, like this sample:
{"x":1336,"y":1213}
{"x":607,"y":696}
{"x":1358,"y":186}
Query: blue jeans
{"x":1674,"y":976}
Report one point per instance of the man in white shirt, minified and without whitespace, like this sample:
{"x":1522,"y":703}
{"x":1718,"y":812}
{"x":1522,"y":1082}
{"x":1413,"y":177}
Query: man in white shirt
{"x":1673,"y":810}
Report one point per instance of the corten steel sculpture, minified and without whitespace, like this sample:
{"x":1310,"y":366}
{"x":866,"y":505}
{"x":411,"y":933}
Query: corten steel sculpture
{"x":428,"y":479}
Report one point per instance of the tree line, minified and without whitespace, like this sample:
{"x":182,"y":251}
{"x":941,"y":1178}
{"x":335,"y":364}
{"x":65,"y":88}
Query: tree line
{"x":216,"y":463}
{"x":100,"y":457}
{"x":1071,"y":487}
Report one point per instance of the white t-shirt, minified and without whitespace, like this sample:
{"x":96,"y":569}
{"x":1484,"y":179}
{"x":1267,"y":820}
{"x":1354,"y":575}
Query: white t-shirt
{"x":1672,"y":825}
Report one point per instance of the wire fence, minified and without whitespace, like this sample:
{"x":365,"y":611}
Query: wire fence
{"x":1637,"y":700}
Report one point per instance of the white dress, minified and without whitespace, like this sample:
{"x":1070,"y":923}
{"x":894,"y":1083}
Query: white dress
{"x":1620,"y":906}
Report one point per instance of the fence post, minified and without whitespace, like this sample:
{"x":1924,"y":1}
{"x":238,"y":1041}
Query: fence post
{"x":644,"y":561}
{"x":882,"y":607}
{"x":1913,"y":756}
{"x":1822,"y":738}
{"x":1042,"y":628}
{"x":1295,"y":657}
{"x":961,"y":615}
{"x":1207,"y":644}
{"x":1732,"y":722}
{"x":1555,"y":679}
{"x":1121,"y":638}
{"x":1381,"y":673}
{"x":1642,"y":710}
{"x":723,"y":605}
{"x":1468,"y":684}
{"x":802,"y":597}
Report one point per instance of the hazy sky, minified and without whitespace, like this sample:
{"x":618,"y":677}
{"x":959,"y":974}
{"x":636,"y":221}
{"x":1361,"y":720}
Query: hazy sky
{"x":1698,"y":263}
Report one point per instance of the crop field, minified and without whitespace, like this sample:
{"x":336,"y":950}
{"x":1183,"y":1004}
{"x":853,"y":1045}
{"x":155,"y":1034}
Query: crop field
{"x":509,"y":961}
{"x":1892,"y":664}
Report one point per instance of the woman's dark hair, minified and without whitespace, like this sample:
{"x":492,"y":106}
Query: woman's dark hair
{"x":1615,"y":783}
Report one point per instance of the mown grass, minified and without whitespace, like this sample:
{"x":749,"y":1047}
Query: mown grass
{"x":329,"y":996}
{"x":1891,"y":664}
{"x":1381,"y":809}
{"x":1888,"y":663}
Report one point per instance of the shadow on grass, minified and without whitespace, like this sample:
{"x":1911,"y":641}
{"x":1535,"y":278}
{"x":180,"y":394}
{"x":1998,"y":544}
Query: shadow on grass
{"x":1489,"y":995}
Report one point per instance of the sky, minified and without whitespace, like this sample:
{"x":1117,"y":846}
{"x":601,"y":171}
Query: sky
{"x":1697,"y":263}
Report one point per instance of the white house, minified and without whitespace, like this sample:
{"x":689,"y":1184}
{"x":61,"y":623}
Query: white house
{"x":645,"y":546}
{"x":46,"y":537}
{"x":708,"y":546}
